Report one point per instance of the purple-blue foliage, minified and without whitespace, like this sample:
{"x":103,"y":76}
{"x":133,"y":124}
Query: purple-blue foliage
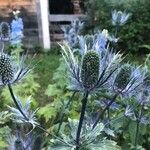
{"x":16,"y":31}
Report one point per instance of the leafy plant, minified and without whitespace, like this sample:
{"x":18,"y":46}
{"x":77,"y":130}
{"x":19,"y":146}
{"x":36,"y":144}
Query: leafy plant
{"x":91,"y":139}
{"x":133,"y":34}
{"x":96,"y":99}
{"x":4,"y":130}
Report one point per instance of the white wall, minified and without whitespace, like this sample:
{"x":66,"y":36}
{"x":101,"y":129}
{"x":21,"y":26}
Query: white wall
{"x":43,"y":21}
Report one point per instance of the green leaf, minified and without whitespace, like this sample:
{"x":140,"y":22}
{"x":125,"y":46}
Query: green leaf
{"x":48,"y":112}
{"x":3,"y":144}
{"x":105,"y":145}
{"x":4,"y":134}
{"x":53,"y":90}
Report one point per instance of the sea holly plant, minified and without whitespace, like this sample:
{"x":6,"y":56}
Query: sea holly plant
{"x":94,"y":68}
{"x":124,"y":84}
{"x":90,"y":139}
{"x":4,"y":31}
{"x":97,"y":66}
{"x":72,"y":32}
{"x":10,"y":73}
{"x":137,"y":111}
{"x":119,"y":18}
{"x":4,"y":34}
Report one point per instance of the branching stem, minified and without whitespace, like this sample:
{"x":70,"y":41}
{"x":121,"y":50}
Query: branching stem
{"x":100,"y":115}
{"x":50,"y":134}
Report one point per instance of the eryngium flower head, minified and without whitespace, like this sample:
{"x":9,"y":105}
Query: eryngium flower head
{"x":90,"y":69}
{"x":119,"y":18}
{"x":11,"y":72}
{"x":123,"y":77}
{"x":128,"y":81}
{"x":4,"y":31}
{"x":6,"y":69}
{"x":93,"y":68}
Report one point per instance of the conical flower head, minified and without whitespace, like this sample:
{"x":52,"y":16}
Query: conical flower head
{"x":90,"y":69}
{"x":123,"y":77}
{"x":6,"y":69}
{"x":4,"y":31}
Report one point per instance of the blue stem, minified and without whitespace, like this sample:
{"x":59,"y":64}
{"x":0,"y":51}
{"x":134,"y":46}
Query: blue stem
{"x":15,"y":101}
{"x":84,"y":103}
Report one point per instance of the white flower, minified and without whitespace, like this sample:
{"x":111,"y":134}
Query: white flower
{"x":16,"y":12}
{"x":119,"y":17}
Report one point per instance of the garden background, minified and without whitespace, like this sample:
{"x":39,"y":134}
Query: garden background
{"x":47,"y":83}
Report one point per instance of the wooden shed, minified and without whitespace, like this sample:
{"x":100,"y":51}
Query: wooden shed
{"x":42,"y":18}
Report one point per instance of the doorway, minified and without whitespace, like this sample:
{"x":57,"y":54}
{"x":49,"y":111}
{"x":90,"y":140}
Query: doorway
{"x":61,"y":7}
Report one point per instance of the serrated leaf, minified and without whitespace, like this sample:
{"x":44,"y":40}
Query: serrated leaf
{"x":53,"y":90}
{"x":48,"y":112}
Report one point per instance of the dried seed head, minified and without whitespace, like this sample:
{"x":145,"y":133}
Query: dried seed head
{"x":123,"y":77}
{"x":90,"y":69}
{"x":6,"y":69}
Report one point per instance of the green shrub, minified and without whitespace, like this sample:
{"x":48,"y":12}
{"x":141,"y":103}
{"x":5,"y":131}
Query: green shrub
{"x":134,"y":35}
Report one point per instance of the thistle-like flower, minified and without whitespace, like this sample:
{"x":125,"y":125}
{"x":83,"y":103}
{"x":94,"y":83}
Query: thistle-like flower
{"x":93,"y":69}
{"x":119,"y":18}
{"x":127,"y":80}
{"x":4,"y":31}
{"x":10,"y":72}
{"x":123,"y":78}
{"x":98,"y":42}
{"x":71,"y":32}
